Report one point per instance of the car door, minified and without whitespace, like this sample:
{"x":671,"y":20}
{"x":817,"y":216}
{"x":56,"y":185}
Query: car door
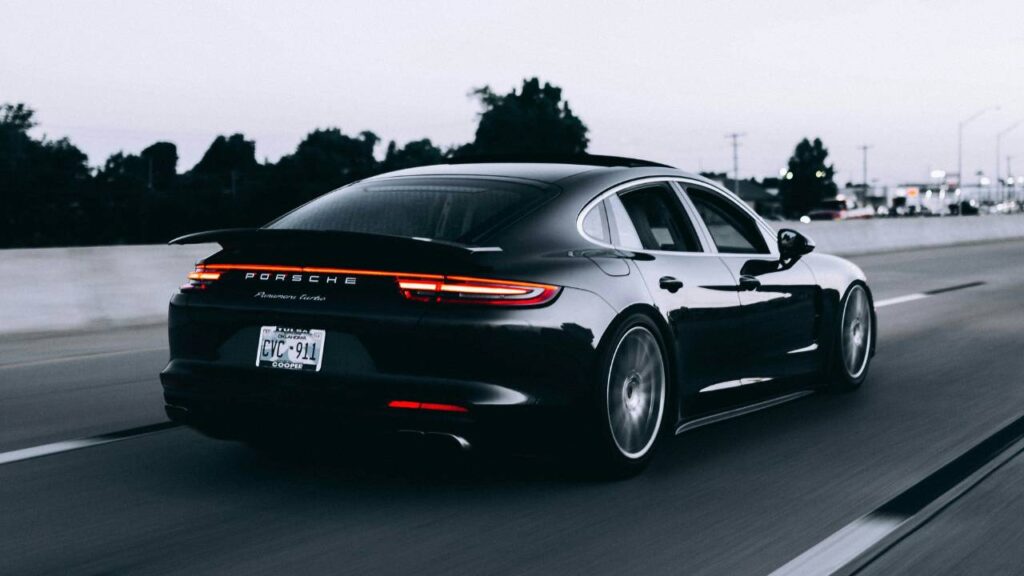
{"x":692,"y":288}
{"x":780,"y":300}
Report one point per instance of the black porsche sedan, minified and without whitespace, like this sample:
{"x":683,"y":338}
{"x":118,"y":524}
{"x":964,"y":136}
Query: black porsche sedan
{"x":596,"y":303}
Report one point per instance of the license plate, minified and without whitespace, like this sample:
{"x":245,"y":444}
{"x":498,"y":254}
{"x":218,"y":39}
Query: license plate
{"x":290,"y":348}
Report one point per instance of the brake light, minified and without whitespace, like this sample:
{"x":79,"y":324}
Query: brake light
{"x":466,"y":290}
{"x":432,"y":406}
{"x":412,"y":285}
{"x":200,"y":278}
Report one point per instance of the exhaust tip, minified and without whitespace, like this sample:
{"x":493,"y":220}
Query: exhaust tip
{"x":447,"y":437}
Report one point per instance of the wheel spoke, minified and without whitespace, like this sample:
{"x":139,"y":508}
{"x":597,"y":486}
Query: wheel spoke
{"x":856,"y":332}
{"x":635,"y":395}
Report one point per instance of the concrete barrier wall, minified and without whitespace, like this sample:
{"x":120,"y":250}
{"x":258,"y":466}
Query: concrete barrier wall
{"x":59,"y":289}
{"x":56,"y":289}
{"x":888,"y":235}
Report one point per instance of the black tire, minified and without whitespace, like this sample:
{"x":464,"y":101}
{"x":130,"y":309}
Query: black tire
{"x":630,"y":399}
{"x":854,"y":340}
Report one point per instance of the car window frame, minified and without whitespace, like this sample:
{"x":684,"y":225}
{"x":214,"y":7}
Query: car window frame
{"x":611,"y":195}
{"x":678,"y":184}
{"x":768,"y":235}
{"x":686,"y":228}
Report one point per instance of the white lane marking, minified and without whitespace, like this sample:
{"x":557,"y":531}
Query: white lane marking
{"x":900,"y":299}
{"x":47,"y":449}
{"x":69,"y":445}
{"x":841,"y":548}
{"x":87,"y":356}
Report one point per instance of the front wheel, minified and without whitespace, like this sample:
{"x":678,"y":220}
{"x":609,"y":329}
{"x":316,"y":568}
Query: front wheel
{"x":855,"y":332}
{"x":631,"y":399}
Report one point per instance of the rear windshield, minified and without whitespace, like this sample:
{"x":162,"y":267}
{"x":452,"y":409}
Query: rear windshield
{"x":451,"y":209}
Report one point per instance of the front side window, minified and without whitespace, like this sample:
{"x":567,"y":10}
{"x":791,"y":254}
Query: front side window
{"x":732,"y":230}
{"x":452,"y":209}
{"x":659,"y":220}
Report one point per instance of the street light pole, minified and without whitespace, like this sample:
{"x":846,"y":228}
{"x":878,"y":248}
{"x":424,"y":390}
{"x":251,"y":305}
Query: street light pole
{"x":960,"y":143}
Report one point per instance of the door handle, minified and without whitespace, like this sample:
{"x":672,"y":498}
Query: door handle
{"x":669,"y":283}
{"x":748,"y":282}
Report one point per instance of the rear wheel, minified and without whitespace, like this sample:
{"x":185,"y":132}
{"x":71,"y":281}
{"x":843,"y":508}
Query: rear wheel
{"x":851,"y":354}
{"x":632,"y":397}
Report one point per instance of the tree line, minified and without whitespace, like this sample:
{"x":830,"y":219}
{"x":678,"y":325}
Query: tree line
{"x":51,"y":196}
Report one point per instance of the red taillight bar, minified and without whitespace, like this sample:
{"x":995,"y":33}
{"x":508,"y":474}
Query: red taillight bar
{"x":411,"y":405}
{"x":200,"y":278}
{"x":467,"y":290}
{"x":199,"y":275}
{"x":413,"y":285}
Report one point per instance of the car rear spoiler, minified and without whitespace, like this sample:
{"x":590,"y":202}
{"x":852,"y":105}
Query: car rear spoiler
{"x":236,"y":237}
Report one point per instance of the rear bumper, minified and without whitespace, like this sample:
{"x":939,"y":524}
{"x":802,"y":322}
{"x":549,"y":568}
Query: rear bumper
{"x":514,"y":371}
{"x":235,"y":403}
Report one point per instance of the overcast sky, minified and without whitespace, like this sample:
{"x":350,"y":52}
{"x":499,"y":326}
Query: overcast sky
{"x":659,"y":80}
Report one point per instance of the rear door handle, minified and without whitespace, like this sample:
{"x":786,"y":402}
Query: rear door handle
{"x":748,"y":282}
{"x":669,"y":283}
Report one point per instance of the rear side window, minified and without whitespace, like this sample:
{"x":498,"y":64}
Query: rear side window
{"x":732,"y":230}
{"x":450,"y":209}
{"x":595,"y":224}
{"x":659,"y":219}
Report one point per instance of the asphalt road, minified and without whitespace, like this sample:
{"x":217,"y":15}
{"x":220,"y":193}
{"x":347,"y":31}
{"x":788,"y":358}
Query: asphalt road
{"x":740,"y":497}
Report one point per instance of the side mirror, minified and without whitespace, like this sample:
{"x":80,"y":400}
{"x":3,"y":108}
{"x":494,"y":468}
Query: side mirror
{"x":793,"y":244}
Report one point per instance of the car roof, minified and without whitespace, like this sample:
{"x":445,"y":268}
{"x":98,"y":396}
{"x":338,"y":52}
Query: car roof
{"x":541,"y":172}
{"x":545,"y":172}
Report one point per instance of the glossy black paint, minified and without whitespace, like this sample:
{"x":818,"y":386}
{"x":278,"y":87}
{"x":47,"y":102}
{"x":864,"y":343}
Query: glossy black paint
{"x":730,"y":321}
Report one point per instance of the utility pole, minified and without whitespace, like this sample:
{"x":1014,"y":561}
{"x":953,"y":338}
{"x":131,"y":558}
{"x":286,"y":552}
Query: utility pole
{"x":1012,"y":190}
{"x":999,"y":143}
{"x":735,"y":136}
{"x":864,"y":165}
{"x":960,"y":144}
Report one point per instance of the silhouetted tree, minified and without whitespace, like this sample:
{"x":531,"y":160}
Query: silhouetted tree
{"x":413,"y":154}
{"x":50,"y":196}
{"x":40,"y":183}
{"x":328,"y":159}
{"x":533,"y":120}
{"x":808,"y":179}
{"x":224,"y":155}
{"x":227,"y":181}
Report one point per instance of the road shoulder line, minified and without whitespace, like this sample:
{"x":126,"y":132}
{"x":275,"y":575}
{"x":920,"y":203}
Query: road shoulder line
{"x":69,"y":445}
{"x":857,"y":544}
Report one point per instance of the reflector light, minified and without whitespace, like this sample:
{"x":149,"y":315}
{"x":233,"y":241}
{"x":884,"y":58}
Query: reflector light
{"x":404,"y":404}
{"x":411,"y":405}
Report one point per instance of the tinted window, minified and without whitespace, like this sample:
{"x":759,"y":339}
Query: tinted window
{"x":595,"y":224}
{"x":732,"y":230}
{"x":453,"y":209}
{"x":659,"y":220}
